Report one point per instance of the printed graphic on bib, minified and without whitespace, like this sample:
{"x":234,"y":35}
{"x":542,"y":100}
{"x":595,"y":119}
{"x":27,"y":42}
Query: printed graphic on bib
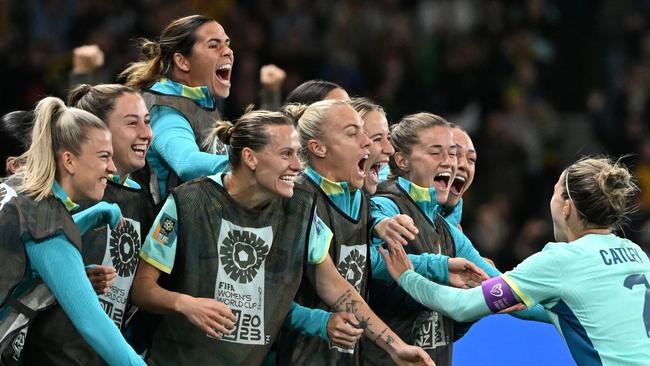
{"x":122,"y":249}
{"x":6,"y":193}
{"x":352,"y":264}
{"x":240,"y":279}
{"x":428,"y":331}
{"x":19,"y":343}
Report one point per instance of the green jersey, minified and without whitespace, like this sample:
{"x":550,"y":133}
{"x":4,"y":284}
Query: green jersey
{"x":596,"y":290}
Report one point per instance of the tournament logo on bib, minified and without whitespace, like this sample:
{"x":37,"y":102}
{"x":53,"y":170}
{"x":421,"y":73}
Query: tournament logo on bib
{"x":241,"y":278}
{"x":352,"y":264}
{"x":124,"y":248}
{"x":242,"y":254}
{"x":19,"y":343}
{"x":428,"y":330}
{"x":122,"y":253}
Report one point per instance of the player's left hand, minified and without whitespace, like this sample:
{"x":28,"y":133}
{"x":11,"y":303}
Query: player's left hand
{"x":411,"y":355}
{"x":513,"y":309}
{"x":465,"y":274}
{"x":397,"y":262}
{"x":101,"y":278}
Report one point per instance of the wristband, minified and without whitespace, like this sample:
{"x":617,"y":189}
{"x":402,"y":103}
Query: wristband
{"x":498,"y":294}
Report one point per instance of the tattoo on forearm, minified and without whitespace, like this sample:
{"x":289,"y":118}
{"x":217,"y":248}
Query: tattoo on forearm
{"x":338,"y":304}
{"x":389,"y":340}
{"x":351,"y":307}
{"x":364,"y":323}
{"x":380,"y":334}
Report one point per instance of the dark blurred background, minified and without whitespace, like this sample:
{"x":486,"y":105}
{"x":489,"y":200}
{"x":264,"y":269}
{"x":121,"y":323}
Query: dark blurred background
{"x":536,"y":83}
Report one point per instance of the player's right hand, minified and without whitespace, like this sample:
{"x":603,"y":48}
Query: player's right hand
{"x":209,"y":315}
{"x":343,"y":330}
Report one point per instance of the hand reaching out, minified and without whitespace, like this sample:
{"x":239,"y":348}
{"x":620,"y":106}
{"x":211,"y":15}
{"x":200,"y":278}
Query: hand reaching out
{"x":465,"y":274}
{"x":396,"y":230}
{"x":397,"y":262}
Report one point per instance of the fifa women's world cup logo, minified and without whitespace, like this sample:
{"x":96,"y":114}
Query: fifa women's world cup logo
{"x":124,"y":249}
{"x":242,"y":254}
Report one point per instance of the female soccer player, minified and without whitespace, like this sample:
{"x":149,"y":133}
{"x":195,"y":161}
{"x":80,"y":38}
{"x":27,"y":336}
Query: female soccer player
{"x":424,"y":166}
{"x":593,"y":284}
{"x":181,"y":76}
{"x":234,"y":246}
{"x":127,"y":118}
{"x":376,"y":126}
{"x":69,"y":159}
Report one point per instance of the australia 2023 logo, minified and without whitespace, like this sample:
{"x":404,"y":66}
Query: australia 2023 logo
{"x":352,"y":268}
{"x":124,"y":248}
{"x":241,"y":254}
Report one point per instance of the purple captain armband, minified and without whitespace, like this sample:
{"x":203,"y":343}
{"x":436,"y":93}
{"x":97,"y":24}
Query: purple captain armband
{"x":497,"y":294}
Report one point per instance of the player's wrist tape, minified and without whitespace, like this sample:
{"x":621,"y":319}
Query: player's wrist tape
{"x":497,"y":294}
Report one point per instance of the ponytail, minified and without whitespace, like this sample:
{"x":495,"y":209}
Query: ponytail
{"x":56,"y":128}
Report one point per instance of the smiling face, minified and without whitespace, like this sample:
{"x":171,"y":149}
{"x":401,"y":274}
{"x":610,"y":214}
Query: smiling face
{"x":376,"y":127}
{"x":345,"y":147}
{"x":210,"y":63}
{"x":92,"y":166}
{"x":277,"y":163}
{"x":131,"y":131}
{"x":466,"y":167}
{"x":432,"y":162}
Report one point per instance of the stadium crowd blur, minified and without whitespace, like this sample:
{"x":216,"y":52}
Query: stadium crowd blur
{"x":536,"y":83}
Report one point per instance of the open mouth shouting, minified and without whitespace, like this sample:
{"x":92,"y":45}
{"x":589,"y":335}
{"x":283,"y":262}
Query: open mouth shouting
{"x":361,"y":166}
{"x":374,"y":171}
{"x":223,"y":73}
{"x":457,"y":185}
{"x":442,"y":181}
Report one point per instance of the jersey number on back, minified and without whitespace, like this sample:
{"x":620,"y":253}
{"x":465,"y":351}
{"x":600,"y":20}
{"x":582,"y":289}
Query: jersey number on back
{"x":640,"y":279}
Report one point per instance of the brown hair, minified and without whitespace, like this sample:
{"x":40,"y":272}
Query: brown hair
{"x":600,"y":190}
{"x":99,"y":99}
{"x":405,"y":134}
{"x":248,"y":131}
{"x":158,"y":57}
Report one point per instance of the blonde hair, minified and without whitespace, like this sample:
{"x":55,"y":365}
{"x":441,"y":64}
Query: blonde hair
{"x":405,"y":134}
{"x":363,"y":106}
{"x":247,"y":131}
{"x":600,"y":190}
{"x":310,"y":120}
{"x":56,"y":128}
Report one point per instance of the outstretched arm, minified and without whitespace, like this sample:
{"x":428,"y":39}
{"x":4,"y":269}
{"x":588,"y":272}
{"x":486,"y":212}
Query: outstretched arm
{"x":341,"y":296}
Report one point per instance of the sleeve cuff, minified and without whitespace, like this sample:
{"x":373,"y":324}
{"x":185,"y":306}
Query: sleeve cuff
{"x":404,"y":277}
{"x":152,"y":261}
